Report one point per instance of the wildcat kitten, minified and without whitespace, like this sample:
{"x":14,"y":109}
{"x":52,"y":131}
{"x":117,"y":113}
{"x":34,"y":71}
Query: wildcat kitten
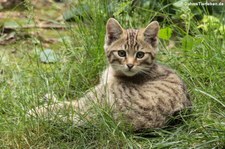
{"x":134,"y":85}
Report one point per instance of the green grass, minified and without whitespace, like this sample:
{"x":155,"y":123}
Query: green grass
{"x":25,"y":80}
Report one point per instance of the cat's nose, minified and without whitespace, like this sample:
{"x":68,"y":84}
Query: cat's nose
{"x":130,"y":66}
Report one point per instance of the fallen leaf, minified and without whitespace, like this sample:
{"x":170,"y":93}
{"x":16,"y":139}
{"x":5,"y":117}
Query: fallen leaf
{"x":48,"y":56}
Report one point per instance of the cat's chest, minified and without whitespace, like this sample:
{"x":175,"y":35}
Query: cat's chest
{"x":123,"y":90}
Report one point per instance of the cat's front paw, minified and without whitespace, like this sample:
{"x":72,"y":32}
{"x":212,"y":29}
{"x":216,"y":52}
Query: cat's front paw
{"x":38,"y":111}
{"x":48,"y":98}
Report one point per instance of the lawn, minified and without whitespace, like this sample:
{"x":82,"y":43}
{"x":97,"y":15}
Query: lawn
{"x":191,"y":42}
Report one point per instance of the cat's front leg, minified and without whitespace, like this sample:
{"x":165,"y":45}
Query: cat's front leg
{"x":81,"y":105}
{"x":46,"y":110}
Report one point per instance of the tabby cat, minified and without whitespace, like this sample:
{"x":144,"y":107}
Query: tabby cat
{"x":145,"y":93}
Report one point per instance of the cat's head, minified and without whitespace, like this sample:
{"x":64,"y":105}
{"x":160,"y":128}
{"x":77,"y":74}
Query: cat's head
{"x":131,"y":51}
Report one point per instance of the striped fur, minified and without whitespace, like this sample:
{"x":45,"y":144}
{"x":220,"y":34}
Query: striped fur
{"x":152,"y":93}
{"x":145,"y":95}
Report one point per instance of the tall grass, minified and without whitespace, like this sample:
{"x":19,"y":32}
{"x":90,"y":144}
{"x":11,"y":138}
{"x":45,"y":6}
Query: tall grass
{"x":25,"y":80}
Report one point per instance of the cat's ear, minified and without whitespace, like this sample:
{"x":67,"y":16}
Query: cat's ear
{"x":151,"y":33}
{"x":113,"y":31}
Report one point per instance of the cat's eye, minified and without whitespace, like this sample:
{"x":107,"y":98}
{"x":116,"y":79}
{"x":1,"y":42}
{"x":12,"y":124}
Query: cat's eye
{"x":122,"y":53}
{"x":140,"y":54}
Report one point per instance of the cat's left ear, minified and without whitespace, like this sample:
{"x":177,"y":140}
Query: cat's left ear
{"x":151,"y":33}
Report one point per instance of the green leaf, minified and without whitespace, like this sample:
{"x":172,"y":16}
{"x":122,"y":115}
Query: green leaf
{"x":187,"y":42}
{"x":77,"y":12}
{"x":48,"y":56}
{"x":165,"y":33}
{"x":222,"y":29}
{"x":210,"y":23}
{"x":210,"y":19}
{"x":11,"y":24}
{"x":180,"y":3}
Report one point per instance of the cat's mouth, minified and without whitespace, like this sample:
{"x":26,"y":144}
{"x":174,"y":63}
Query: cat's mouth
{"x":121,"y":71}
{"x":129,"y":72}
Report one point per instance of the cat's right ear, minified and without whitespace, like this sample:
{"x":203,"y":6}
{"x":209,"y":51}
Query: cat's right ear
{"x":113,"y":31}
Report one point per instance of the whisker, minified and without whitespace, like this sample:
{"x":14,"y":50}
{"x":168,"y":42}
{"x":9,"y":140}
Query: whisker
{"x":116,"y":67}
{"x":144,"y":71}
